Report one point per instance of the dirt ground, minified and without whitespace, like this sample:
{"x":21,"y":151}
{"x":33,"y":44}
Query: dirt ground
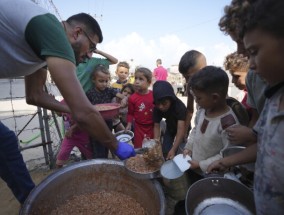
{"x":8,"y":203}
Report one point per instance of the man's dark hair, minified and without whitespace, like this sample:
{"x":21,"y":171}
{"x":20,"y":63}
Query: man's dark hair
{"x":188,"y":60}
{"x":92,"y":26}
{"x":268,"y":15}
{"x":210,"y":79}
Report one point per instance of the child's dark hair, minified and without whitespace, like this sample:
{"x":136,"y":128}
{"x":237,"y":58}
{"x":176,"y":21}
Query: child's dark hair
{"x":210,"y":79}
{"x":128,"y":85}
{"x":100,"y":68}
{"x":188,"y":60}
{"x":92,"y":26}
{"x":267,"y":15}
{"x":234,"y":16}
{"x":123,"y":64}
{"x":146,"y":72}
{"x":163,"y":99}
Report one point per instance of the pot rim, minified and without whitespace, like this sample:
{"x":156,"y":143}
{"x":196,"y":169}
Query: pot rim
{"x":38,"y":189}
{"x":215,"y":182}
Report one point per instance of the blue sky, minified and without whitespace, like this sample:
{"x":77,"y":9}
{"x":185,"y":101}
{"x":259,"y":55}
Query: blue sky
{"x":150,"y":29}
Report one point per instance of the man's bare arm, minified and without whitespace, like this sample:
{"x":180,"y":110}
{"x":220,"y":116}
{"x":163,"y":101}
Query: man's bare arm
{"x":87,"y":117}
{"x":35,"y":94}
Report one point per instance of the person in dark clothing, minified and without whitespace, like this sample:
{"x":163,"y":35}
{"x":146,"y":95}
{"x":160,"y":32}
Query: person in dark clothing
{"x":170,"y":107}
{"x":191,"y":62}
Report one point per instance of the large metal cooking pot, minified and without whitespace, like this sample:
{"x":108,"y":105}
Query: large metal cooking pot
{"x":219,"y":196}
{"x":90,"y":176}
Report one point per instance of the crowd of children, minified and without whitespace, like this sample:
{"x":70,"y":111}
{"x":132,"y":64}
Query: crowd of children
{"x":256,"y":69}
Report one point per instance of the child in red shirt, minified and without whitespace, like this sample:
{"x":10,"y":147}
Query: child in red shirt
{"x":140,"y":107}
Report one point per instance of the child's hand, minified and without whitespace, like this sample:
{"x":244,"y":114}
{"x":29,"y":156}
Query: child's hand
{"x":123,"y":102}
{"x":186,"y":152}
{"x":194,"y":164}
{"x":171,"y":154}
{"x":217,"y":166}
{"x":69,"y":133}
{"x":128,"y":127}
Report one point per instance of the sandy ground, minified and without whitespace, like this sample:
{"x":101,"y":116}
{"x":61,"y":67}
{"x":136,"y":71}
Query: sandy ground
{"x":8,"y":203}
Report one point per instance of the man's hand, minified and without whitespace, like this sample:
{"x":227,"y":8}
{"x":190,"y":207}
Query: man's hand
{"x":124,"y":151}
{"x":35,"y":95}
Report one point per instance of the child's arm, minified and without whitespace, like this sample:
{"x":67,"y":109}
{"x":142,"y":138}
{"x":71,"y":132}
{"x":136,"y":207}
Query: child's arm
{"x":206,"y":162}
{"x":110,"y":58}
{"x":130,"y":114}
{"x":123,"y":99}
{"x":246,"y":156}
{"x":178,"y":140}
{"x":120,"y":96}
{"x":128,"y":126}
{"x":157,"y":131}
{"x":241,"y":135}
{"x":119,"y":127}
{"x":188,"y":147}
{"x":189,"y":114}
{"x":191,"y":135}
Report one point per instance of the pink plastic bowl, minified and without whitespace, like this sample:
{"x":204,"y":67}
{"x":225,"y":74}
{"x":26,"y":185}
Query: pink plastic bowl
{"x":108,"y":110}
